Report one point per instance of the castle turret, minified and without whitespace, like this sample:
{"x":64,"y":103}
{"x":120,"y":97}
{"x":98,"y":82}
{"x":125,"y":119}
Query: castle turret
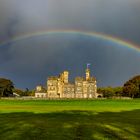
{"x":66,"y":77}
{"x":39,"y":88}
{"x":87,"y":73}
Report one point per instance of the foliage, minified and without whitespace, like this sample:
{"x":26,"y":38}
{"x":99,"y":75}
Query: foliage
{"x":118,"y":91}
{"x":6,"y":87}
{"x":109,"y":92}
{"x":26,"y":92}
{"x":18,"y":91}
{"x":132,"y":87}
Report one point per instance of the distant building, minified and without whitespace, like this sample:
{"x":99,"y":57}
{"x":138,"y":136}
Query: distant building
{"x":59,"y":87}
{"x":40,"y":92}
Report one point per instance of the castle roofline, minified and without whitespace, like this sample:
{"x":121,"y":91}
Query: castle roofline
{"x":79,"y":78}
{"x":92,"y":79}
{"x":53,"y":78}
{"x":69,"y":84}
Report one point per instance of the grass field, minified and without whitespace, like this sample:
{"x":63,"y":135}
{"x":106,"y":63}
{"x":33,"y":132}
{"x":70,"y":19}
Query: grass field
{"x":69,"y":119}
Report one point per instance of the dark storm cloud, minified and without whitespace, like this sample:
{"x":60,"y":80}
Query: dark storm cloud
{"x":49,"y":55}
{"x":31,"y":60}
{"x":120,"y":18}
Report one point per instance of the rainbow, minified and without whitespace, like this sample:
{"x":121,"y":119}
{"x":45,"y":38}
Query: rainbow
{"x":90,"y":34}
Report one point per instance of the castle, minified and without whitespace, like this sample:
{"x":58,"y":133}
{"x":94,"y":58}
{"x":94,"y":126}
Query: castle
{"x":60,"y":87}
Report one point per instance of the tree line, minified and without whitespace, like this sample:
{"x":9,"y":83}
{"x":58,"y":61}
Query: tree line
{"x":131,"y":88}
{"x":7,"y":89}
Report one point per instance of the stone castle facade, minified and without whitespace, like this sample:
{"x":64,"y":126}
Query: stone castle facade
{"x":60,"y":87}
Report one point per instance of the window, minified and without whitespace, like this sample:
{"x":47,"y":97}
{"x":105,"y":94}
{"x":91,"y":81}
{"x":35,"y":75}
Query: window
{"x":78,"y":89}
{"x":79,"y":84}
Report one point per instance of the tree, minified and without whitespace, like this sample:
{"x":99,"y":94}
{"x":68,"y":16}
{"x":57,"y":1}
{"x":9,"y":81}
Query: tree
{"x":6,"y":87}
{"x":18,"y":91}
{"x":132,"y":87}
{"x":109,"y":92}
{"x":118,"y":91}
{"x":25,"y":92}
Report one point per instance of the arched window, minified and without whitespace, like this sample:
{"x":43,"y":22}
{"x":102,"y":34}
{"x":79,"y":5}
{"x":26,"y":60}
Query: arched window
{"x":99,"y":96}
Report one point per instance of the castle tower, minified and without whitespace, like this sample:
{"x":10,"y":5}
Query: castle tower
{"x":66,"y":77}
{"x":38,"y":88}
{"x":87,"y":73}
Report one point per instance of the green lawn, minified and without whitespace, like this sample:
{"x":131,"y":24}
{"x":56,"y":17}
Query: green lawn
{"x":69,"y":119}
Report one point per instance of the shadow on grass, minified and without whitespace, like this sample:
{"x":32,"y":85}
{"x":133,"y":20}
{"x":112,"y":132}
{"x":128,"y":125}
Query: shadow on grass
{"x":73,"y":125}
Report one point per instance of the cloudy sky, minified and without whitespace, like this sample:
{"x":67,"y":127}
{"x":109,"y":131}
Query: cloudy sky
{"x":29,"y":61}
